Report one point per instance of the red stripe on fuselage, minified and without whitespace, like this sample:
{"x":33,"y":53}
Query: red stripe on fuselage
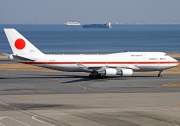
{"x":100,"y":62}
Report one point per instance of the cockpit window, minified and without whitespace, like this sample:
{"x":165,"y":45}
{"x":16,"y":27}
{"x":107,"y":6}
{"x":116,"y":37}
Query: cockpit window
{"x":165,"y":54}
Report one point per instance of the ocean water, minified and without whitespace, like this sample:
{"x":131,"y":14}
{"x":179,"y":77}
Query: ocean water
{"x":75,"y":39}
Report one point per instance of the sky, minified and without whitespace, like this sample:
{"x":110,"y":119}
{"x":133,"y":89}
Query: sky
{"x":89,"y":11}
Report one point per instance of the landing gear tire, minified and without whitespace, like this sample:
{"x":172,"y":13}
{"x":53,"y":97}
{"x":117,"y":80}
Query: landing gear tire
{"x":103,"y":77}
{"x":90,"y":76}
{"x":96,"y":76}
{"x":99,"y":76}
{"x":159,"y":75}
{"x":93,"y":75}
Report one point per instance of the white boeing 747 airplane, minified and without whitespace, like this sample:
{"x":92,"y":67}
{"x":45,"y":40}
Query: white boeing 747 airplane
{"x":99,"y":66}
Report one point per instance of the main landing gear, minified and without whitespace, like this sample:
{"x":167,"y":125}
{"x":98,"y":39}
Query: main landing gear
{"x":96,"y":75}
{"x":160,"y":75}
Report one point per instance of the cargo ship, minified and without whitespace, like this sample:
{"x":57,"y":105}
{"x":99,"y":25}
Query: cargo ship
{"x":107,"y":25}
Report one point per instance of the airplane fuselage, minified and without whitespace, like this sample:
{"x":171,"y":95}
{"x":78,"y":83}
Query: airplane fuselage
{"x":137,"y":61}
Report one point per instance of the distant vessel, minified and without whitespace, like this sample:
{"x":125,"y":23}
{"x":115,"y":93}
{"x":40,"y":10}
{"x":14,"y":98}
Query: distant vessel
{"x":108,"y":25}
{"x":73,"y":23}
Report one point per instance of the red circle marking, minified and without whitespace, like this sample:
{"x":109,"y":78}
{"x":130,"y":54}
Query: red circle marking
{"x":20,"y":44}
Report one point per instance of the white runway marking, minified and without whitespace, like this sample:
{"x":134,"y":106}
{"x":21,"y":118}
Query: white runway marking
{"x":34,"y":118}
{"x":4,"y":117}
{"x":2,"y":124}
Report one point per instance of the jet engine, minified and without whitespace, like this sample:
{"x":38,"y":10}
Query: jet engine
{"x":126,"y":72}
{"x":110,"y":72}
{"x":114,"y":72}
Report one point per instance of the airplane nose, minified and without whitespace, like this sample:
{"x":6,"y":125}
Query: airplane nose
{"x":176,"y":62}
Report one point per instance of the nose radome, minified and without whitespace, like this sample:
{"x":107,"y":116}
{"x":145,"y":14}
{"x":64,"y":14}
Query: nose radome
{"x":176,"y":61}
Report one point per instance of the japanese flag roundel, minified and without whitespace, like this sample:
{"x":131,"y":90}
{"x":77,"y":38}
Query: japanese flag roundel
{"x":20,"y":44}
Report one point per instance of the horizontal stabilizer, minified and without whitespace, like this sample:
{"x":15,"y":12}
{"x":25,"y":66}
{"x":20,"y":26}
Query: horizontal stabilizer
{"x":22,"y":58}
{"x":5,"y":54}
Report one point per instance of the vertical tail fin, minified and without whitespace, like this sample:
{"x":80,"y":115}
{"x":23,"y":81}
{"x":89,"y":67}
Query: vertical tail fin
{"x":19,"y":44}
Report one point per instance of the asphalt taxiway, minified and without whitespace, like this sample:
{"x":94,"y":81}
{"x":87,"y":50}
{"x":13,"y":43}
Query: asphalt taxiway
{"x":72,"y":99}
{"x":22,"y":82}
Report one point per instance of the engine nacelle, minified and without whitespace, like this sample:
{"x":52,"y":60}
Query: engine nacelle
{"x":126,"y":72}
{"x":110,"y":72}
{"x":114,"y":72}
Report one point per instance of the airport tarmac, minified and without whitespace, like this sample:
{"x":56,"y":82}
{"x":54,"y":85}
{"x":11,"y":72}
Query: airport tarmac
{"x":28,"y":82}
{"x":30,"y":98}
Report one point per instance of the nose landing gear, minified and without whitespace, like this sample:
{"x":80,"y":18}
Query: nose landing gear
{"x":160,"y":75}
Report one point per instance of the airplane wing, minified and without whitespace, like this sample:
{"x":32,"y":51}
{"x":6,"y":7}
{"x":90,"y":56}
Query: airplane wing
{"x":118,"y":68}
